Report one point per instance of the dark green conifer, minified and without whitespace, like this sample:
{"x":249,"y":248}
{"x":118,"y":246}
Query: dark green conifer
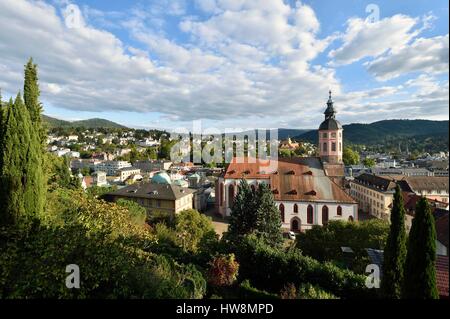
{"x":420,"y":267}
{"x":395,"y":250}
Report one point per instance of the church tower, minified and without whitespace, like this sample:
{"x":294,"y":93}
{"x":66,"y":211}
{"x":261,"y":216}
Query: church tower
{"x":330,"y":136}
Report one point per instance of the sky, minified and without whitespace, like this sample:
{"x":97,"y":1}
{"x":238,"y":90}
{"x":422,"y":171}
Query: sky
{"x":232,"y":64}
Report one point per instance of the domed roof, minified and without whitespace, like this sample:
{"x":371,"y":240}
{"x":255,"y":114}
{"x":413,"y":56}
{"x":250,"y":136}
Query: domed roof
{"x":330,"y":124}
{"x":195,"y":176}
{"x":181,"y":182}
{"x":161,"y":178}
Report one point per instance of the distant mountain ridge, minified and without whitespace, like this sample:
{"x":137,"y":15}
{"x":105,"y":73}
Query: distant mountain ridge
{"x":89,"y":124}
{"x":378,"y":132}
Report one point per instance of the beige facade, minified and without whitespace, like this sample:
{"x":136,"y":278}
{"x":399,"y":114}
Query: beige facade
{"x":372,"y":200}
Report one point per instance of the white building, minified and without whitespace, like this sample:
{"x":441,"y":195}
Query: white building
{"x":125,"y":173}
{"x":112,"y":167}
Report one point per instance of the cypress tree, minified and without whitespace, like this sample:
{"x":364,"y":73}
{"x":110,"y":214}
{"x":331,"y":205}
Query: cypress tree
{"x":268,"y":223}
{"x":35,"y":193}
{"x":13,"y":164}
{"x":420,"y":271}
{"x":243,"y":213}
{"x":255,"y":212}
{"x":395,"y":250}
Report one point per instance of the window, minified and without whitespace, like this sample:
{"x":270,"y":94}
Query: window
{"x":295,"y":208}
{"x":282,"y":212}
{"x":333,"y":147}
{"x":340,"y":147}
{"x":221,"y":194}
{"x":333,"y":135}
{"x":295,"y":224}
{"x":325,"y":215}
{"x":230,"y":195}
{"x":310,"y":215}
{"x":339,"y":211}
{"x":324,"y":135}
{"x":324,"y":147}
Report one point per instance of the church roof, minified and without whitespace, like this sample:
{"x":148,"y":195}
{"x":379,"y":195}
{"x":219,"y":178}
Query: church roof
{"x":330,"y":122}
{"x":161,"y":178}
{"x":297,"y":179}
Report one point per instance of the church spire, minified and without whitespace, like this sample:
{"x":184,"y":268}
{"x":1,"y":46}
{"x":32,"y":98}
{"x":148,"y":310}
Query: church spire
{"x":330,"y":111}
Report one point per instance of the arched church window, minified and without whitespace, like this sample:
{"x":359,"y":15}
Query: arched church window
{"x":324,"y":147}
{"x":333,"y":147}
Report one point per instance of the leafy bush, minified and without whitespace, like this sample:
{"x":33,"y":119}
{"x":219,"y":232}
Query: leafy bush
{"x":223,"y":270}
{"x":282,"y":267}
{"x":308,"y":291}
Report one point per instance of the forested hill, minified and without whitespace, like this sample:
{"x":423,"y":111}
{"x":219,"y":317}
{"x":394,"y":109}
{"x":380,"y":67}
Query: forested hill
{"x":89,"y":124}
{"x":423,"y":135}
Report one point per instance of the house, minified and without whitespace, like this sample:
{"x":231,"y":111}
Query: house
{"x":375,"y":193}
{"x":99,"y":179}
{"x":287,"y":144}
{"x":112,"y":167}
{"x":152,"y":165}
{"x":158,"y":195}
{"x":125,"y":173}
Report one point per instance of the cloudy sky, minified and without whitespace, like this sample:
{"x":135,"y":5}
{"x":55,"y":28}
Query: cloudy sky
{"x":230,"y":63}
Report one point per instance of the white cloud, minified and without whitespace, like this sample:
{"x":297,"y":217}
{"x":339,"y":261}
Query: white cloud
{"x":371,"y":39}
{"x":250,"y":61}
{"x":426,"y":55}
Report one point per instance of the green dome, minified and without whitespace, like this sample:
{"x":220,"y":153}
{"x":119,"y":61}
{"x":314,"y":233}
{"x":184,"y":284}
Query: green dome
{"x":181,"y":182}
{"x":161,"y":178}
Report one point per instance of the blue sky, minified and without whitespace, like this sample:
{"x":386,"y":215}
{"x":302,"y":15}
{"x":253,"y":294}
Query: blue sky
{"x":230,"y":63}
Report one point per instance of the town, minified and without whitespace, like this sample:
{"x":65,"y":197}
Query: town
{"x":215,"y":150}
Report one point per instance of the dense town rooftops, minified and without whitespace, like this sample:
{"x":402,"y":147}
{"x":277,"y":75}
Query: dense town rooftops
{"x":298,"y":179}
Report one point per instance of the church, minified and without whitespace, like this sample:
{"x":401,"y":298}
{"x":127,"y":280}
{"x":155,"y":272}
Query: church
{"x":307,"y":190}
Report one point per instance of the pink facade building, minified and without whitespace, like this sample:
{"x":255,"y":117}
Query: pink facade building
{"x":330,"y":136}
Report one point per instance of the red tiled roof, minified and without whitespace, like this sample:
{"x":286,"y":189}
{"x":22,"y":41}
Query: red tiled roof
{"x":442,"y":275}
{"x":302,"y":179}
{"x":442,"y":233}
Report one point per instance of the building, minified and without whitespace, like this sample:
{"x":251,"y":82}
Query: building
{"x":330,"y":144}
{"x":99,"y":179}
{"x":307,"y":190}
{"x":406,"y":171}
{"x":330,"y":136}
{"x":112,"y":167}
{"x":159,"y":195}
{"x":375,"y":193}
{"x":152,"y":165}
{"x":125,"y":173}
{"x":288,"y":144}
{"x":303,"y":192}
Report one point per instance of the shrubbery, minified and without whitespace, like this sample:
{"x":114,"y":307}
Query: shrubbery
{"x":281,"y":267}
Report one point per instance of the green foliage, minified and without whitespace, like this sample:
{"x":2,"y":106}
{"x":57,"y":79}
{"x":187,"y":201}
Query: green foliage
{"x":193,"y":229}
{"x":255,"y":213}
{"x":324,"y":242}
{"x":223,"y":270}
{"x":137,"y":213}
{"x":282,"y":267}
{"x":350,"y":157}
{"x":420,"y":266}
{"x":308,"y":291}
{"x":21,"y":198}
{"x":395,"y":250}
{"x":85,"y":124}
{"x":59,"y":174}
{"x":369,"y":162}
